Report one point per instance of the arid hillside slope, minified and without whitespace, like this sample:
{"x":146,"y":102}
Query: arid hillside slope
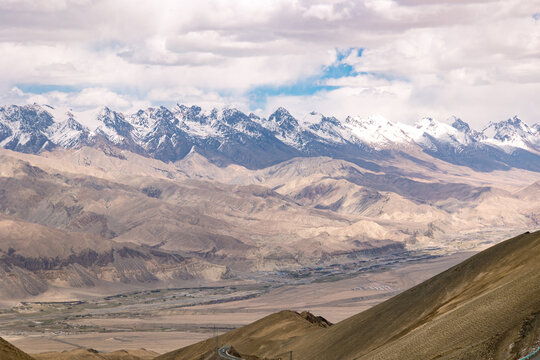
{"x":487,"y":307}
{"x":263,"y":336}
{"x":35,"y":259}
{"x":90,"y":354}
{"x":10,"y":352}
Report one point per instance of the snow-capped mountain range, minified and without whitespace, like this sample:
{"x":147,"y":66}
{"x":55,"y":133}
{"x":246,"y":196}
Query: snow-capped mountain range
{"x":229,"y":136}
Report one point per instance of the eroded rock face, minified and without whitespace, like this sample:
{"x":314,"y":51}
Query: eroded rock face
{"x":18,"y":283}
{"x":81,"y":261}
{"x":22,"y":276}
{"x":317,"y":320}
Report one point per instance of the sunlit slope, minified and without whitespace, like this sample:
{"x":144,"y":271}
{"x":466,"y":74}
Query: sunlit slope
{"x":90,"y":354}
{"x":487,"y":307}
{"x":10,"y":352}
{"x":266,"y":335}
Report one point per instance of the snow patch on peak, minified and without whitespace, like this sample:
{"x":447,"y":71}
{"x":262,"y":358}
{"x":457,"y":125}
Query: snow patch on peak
{"x":88,"y":118}
{"x":58,"y":114}
{"x":428,"y":131}
{"x":460,"y":124}
{"x":438,"y":129}
{"x":283,"y":118}
{"x":328,"y":129}
{"x":68,"y":133}
{"x":197,"y":123}
{"x":282,"y":111}
{"x":512,"y":133}
{"x":375,"y":130}
{"x":312,"y":118}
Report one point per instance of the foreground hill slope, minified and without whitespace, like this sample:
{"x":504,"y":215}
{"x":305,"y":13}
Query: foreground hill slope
{"x":10,"y":352}
{"x":487,"y":307}
{"x":263,"y":336}
{"x":90,"y":354}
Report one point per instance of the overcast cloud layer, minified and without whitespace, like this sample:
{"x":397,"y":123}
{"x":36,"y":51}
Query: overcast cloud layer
{"x":403,"y":59}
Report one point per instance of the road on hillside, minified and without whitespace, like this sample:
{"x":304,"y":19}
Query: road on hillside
{"x":533,"y":356}
{"x":223,"y":353}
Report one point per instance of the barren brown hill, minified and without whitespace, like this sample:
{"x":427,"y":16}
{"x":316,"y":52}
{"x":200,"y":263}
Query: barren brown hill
{"x":244,"y":227}
{"x":305,"y":208}
{"x":35,"y":259}
{"x":90,"y":354}
{"x":487,"y":307}
{"x":263,"y":336}
{"x":231,"y":220}
{"x":10,"y":352}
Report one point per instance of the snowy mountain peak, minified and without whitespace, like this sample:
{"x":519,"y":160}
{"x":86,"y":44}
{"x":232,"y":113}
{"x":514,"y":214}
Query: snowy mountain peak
{"x":104,"y":111}
{"x":286,"y":127}
{"x":254,"y":117}
{"x":110,"y":118}
{"x":228,"y":135}
{"x":23,"y":128}
{"x":512,"y":133}
{"x":376,"y":131}
{"x":283,"y":118}
{"x":281,"y":111}
{"x":427,"y":123}
{"x":113,"y":126}
{"x":73,"y":124}
{"x":513,"y":126}
{"x":233,"y":116}
{"x":461,"y":125}
{"x":151,"y":121}
{"x":312,"y":118}
{"x":183,"y":109}
{"x":435,"y":128}
{"x":68,"y":133}
{"x":435,"y":135}
{"x":465,"y":128}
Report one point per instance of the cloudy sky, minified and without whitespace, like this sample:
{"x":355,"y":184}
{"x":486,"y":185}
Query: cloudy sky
{"x":403,"y":59}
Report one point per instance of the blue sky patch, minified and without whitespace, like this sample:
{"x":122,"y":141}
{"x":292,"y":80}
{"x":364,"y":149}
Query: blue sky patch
{"x":339,"y":70}
{"x":45,"y":88}
{"x":307,"y":86}
{"x":258,"y":95}
{"x":344,"y":53}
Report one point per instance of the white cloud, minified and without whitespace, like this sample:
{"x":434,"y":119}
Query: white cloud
{"x":38,"y":5}
{"x":96,"y":97}
{"x":477,"y":59}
